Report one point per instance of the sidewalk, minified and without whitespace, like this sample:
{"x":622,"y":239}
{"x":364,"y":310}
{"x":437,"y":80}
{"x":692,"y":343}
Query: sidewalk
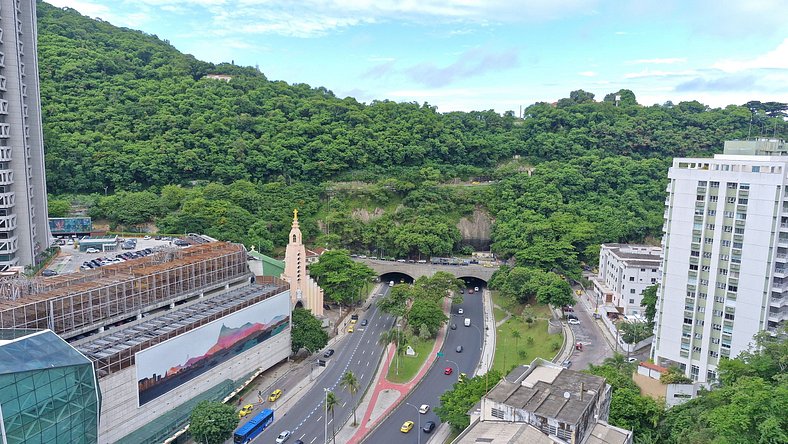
{"x":386,"y":396}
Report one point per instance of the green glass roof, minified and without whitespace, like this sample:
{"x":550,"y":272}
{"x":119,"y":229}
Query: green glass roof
{"x":35,"y":351}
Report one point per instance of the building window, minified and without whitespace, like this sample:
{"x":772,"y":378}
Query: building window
{"x":743,"y":201}
{"x":688,"y":321}
{"x":632,"y":279}
{"x":712,"y":212}
{"x":716,"y":327}
{"x":631,"y":301}
{"x":700,"y":197}
{"x":730,"y":199}
{"x":727,"y":228}
{"x":730,"y":316}
{"x":732,"y":186}
{"x":497,"y":413}
{"x":713,"y":198}
{"x":726,"y":243}
{"x":707,"y":255}
{"x":714,"y":184}
{"x":709,"y":240}
{"x":710,"y":227}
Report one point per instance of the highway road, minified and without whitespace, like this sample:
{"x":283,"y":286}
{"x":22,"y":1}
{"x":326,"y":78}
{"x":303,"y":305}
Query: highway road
{"x":358,"y":352}
{"x":435,"y":382}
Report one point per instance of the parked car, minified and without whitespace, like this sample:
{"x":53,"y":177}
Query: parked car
{"x":180,"y":242}
{"x":574,"y":322}
{"x":631,"y":360}
{"x":146,"y":237}
{"x":460,"y":311}
{"x":48,"y":273}
{"x":428,"y":427}
{"x":328,"y":353}
{"x":571,"y":316}
{"x":350,"y":328}
{"x":92,"y":250}
{"x":364,"y":322}
{"x":566,"y":364}
{"x":454,"y":326}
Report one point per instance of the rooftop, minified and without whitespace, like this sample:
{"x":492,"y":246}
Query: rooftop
{"x":604,"y":433}
{"x":551,"y":391}
{"x":26,"y":350}
{"x":640,"y":254}
{"x":501,"y":432}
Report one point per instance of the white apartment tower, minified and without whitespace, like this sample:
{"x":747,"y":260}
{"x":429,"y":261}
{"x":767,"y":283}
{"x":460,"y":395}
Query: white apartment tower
{"x":24,"y":228}
{"x":725,"y":246}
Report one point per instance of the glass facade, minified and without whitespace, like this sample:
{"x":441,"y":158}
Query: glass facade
{"x":48,"y":391}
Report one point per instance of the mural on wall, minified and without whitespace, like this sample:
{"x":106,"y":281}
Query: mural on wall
{"x":166,"y":366}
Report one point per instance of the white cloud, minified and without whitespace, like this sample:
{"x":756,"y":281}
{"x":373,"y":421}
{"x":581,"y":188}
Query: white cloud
{"x":646,"y":73}
{"x":775,"y":59}
{"x":95,"y":10}
{"x":587,"y":74}
{"x":663,"y":61}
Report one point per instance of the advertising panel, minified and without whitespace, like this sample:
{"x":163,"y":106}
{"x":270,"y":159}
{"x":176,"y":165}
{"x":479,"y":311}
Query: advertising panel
{"x":166,"y":366}
{"x":70,"y":225}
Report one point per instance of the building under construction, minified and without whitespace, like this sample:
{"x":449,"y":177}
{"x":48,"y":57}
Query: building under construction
{"x":130,"y":318}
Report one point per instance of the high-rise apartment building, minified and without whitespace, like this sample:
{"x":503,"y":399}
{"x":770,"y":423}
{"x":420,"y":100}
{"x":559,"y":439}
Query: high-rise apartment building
{"x":725,"y":246}
{"x":24,"y":230}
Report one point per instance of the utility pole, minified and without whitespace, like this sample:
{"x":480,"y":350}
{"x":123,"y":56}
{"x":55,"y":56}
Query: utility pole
{"x":325,"y":420}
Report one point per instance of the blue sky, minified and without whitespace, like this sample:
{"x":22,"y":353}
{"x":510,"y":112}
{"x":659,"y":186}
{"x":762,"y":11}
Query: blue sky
{"x":463,"y":55}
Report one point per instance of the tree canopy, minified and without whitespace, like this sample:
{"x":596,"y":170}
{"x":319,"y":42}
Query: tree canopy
{"x":212,"y":422}
{"x":342,"y":278}
{"x":307,"y":331}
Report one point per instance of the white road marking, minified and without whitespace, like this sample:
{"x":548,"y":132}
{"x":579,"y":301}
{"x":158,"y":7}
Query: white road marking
{"x":313,"y":440}
{"x":319,"y":418}
{"x":302,"y":436}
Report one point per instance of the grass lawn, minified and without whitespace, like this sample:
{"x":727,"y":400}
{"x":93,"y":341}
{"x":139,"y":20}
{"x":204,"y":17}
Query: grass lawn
{"x":507,"y":349}
{"x":499,"y":314}
{"x":409,"y":366}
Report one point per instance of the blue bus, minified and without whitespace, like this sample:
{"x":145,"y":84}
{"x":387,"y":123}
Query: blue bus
{"x":254,"y":427}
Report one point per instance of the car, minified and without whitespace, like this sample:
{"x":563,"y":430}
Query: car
{"x":298,"y":441}
{"x":462,"y":377}
{"x":448,"y":370}
{"x":48,"y":273}
{"x":364,"y":322}
{"x":459,"y":349}
{"x":181,"y":242}
{"x":350,"y":328}
{"x":146,"y":237}
{"x":574,"y":322}
{"x":571,"y":316}
{"x":407,"y":426}
{"x":566,"y":364}
{"x":460,"y":311}
{"x":568,"y":308}
{"x":454,"y":326}
{"x":421,"y":261}
{"x":402,"y":261}
{"x":353,"y":321}
{"x":363,"y":256}
{"x":428,"y":427}
{"x":579,"y":292}
{"x":470,"y":291}
{"x":475,"y":288}
{"x":424,"y":408}
{"x":92,"y":250}
{"x":166,"y":238}
{"x":630,"y":360}
{"x":328,"y":353}
{"x":245,"y":410}
{"x":283,"y":437}
{"x":462,"y":291}
{"x":276,"y":394}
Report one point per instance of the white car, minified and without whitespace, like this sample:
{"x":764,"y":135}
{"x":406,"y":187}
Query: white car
{"x":283,"y":437}
{"x":574,"y":322}
{"x":460,"y":311}
{"x":475,"y":288}
{"x":146,"y":237}
{"x":92,"y":250}
{"x":632,"y":360}
{"x":424,"y":409}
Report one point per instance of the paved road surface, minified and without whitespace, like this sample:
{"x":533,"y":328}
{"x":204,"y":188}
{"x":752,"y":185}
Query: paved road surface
{"x":595,"y":347}
{"x":435,"y":382}
{"x":358,"y":352}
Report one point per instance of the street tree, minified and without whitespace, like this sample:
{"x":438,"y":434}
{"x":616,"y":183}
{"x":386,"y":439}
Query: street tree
{"x":351,"y":384}
{"x":634,"y":332}
{"x":331,"y":402}
{"x":307,"y":331}
{"x":212,"y":422}
{"x":455,"y":403}
{"x":650,"y":302}
{"x":341,"y":277}
{"x":426,"y":312}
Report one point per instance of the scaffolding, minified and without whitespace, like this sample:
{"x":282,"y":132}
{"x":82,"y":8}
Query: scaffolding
{"x":80,"y":302}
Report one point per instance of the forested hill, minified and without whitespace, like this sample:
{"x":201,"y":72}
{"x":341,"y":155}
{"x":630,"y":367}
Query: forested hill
{"x":126,"y":110}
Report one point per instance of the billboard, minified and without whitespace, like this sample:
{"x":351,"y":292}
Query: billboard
{"x":176,"y":361}
{"x":70,"y":225}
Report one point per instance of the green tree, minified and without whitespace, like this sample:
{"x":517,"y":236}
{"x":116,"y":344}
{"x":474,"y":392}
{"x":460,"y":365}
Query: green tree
{"x":516,"y":335}
{"x":307,"y":331}
{"x":634,"y":332}
{"x":426,"y":312}
{"x":650,"y":302}
{"x":341,"y":277}
{"x":351,"y":384}
{"x":455,"y":403}
{"x":330,"y":404}
{"x":212,"y":422}
{"x":58,"y":207}
{"x":674,"y":375}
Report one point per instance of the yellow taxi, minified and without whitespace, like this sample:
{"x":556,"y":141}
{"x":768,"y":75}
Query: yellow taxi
{"x":245,"y":410}
{"x":350,"y":328}
{"x":578,"y":292}
{"x":276,"y":394}
{"x":406,"y":427}
{"x":353,"y":321}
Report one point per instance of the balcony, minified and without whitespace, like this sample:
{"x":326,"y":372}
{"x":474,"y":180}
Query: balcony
{"x":7,"y":223}
{"x":7,"y":200}
{"x":8,"y":246}
{"x":778,"y":302}
{"x":5,"y":154}
{"x":780,"y":272}
{"x":6,"y":177}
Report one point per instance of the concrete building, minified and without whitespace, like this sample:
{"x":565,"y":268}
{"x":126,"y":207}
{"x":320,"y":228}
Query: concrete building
{"x":48,"y":390}
{"x":725,"y":267}
{"x":24,"y":228}
{"x":624,"y":272}
{"x":304,"y":291}
{"x":561,"y":405}
{"x":648,"y":377}
{"x":163,"y":331}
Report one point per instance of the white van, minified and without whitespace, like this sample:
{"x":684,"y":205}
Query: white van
{"x":467,"y":322}
{"x":391,"y":283}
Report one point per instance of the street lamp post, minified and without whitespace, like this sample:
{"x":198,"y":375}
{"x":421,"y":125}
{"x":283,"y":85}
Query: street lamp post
{"x":418,"y":418}
{"x":396,"y":347}
{"x":325,"y":420}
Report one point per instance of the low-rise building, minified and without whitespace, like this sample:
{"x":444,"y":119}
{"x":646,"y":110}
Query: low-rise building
{"x":558,"y":404}
{"x":625,"y":271}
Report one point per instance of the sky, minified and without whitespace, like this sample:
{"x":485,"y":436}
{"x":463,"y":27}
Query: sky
{"x":477,"y":55}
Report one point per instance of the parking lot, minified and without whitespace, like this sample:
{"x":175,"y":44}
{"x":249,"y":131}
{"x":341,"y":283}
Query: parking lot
{"x":70,"y":259}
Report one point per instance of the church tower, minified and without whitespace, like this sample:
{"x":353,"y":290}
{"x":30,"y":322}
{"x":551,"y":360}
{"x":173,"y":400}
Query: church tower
{"x":303,"y":289}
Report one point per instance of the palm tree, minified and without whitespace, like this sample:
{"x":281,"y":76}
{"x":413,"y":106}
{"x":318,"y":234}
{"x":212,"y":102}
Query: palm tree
{"x":617,"y":361}
{"x":331,"y":402}
{"x":350,"y":383}
{"x":516,"y":336}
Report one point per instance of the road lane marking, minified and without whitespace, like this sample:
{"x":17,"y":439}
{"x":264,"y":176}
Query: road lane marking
{"x":302,"y":436}
{"x":313,"y":440}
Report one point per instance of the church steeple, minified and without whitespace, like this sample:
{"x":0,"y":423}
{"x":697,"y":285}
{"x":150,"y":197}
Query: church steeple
{"x":303,"y":289}
{"x":295,"y":231}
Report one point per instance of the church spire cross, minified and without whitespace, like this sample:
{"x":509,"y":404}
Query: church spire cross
{"x":295,"y":215}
